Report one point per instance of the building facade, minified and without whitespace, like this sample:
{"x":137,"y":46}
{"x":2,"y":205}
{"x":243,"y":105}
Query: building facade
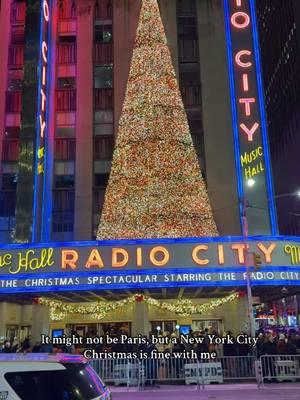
{"x":61,"y":98}
{"x":89,"y":52}
{"x":281,"y":69}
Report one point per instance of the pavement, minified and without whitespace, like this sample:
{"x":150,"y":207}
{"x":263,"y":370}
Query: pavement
{"x":287,"y":391}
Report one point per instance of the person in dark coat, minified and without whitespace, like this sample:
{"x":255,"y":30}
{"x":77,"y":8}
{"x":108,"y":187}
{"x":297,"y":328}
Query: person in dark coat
{"x":268,"y":363}
{"x":26,"y":345}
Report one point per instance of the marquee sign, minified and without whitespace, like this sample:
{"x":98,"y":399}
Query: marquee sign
{"x":42,"y":114}
{"x":249,"y":122}
{"x":145,"y":263}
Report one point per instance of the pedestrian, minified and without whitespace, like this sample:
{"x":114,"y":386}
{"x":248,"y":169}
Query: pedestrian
{"x":26,"y":345}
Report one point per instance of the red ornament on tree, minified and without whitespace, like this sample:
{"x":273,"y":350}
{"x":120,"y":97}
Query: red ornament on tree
{"x":139,"y":298}
{"x":242,"y":294}
{"x":36,"y":300}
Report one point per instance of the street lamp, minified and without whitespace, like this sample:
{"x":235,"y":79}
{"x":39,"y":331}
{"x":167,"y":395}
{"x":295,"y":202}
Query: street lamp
{"x":293,"y":194}
{"x":244,"y":206}
{"x":250,"y":182}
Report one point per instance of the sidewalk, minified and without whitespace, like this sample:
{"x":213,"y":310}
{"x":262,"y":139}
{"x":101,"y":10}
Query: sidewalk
{"x":249,"y":391}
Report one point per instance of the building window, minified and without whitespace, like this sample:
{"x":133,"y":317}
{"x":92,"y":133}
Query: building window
{"x":9,"y":181}
{"x":7,"y":203}
{"x":165,"y":326}
{"x":103,"y":46}
{"x":103,"y":77}
{"x":103,"y":9}
{"x":188,"y":50}
{"x":98,"y":200}
{"x":101,"y":180}
{"x":66,"y":50}
{"x":191,"y":95}
{"x":12,"y":132}
{"x":15,"y":56}
{"x":63,"y":211}
{"x":186,"y":7}
{"x":64,"y":174}
{"x":18,"y":11}
{"x":103,"y":33}
{"x":65,"y":149}
{"x":10,"y":150}
{"x":17,"y":35}
{"x":103,"y":147}
{"x":66,"y":100}
{"x":65,"y":132}
{"x":66,"y":9}
{"x":103,"y":99}
{"x":66,"y":83}
{"x":13,"y":101}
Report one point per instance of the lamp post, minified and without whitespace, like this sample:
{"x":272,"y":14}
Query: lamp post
{"x":248,"y":265}
{"x":249,"y":262}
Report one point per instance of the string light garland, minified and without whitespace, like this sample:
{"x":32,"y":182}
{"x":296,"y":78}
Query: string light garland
{"x":59,"y":310}
{"x":155,"y":188}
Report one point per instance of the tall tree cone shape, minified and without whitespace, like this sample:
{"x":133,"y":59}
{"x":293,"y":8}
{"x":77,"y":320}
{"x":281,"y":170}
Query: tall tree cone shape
{"x":155,"y":188}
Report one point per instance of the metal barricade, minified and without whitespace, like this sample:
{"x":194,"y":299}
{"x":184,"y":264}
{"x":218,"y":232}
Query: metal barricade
{"x":118,"y":372}
{"x":279,"y":368}
{"x":151,"y":372}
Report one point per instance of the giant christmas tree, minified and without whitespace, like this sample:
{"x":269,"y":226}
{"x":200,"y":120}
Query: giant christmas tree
{"x":155,"y":187}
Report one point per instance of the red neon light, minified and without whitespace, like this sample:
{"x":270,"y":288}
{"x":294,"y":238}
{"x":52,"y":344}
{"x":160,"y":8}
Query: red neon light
{"x":43,"y":99}
{"x":245,"y":82}
{"x":240,"y":14}
{"x":238,"y":59}
{"x":239,"y":3}
{"x":42,"y":126}
{"x":46,"y":10}
{"x":44,"y":75}
{"x":250,"y":132}
{"x":247,"y":103}
{"x":44,"y":51}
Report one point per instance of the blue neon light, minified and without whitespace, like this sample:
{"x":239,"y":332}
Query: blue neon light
{"x":37,"y":143}
{"x":270,"y":190}
{"x":48,"y":159}
{"x":147,"y":286}
{"x":169,"y":271}
{"x":215,"y":239}
{"x":237,"y":153}
{"x":269,"y":183}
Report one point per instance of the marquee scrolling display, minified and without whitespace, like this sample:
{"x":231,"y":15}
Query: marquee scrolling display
{"x":249,"y":124}
{"x":42,"y":124}
{"x":148,"y":263}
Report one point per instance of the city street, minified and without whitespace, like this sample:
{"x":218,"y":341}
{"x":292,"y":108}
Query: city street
{"x":215,"y":392}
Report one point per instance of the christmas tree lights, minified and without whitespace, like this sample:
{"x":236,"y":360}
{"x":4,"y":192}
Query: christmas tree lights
{"x":155,"y":188}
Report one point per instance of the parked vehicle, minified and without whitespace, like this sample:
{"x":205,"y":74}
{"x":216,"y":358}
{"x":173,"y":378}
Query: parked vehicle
{"x":48,"y":377}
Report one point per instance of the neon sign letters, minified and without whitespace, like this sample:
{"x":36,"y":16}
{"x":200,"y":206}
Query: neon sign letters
{"x":43,"y":86}
{"x":249,"y":125}
{"x":42,"y":136}
{"x":194,"y":262}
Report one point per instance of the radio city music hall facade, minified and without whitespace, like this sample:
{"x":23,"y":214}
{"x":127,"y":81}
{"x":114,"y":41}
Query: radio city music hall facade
{"x":61,"y":99}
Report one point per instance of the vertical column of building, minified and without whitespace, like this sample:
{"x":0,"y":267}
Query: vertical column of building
{"x":217,"y":123}
{"x":126,"y":14}
{"x":65,"y":123}
{"x":84,"y":122}
{"x":103,"y":117}
{"x":189,"y":72}
{"x":168,"y":11}
{"x":12,"y":31}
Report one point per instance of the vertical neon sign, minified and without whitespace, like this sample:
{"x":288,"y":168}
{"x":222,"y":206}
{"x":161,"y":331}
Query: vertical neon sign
{"x":42,"y":128}
{"x":252,"y":157}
